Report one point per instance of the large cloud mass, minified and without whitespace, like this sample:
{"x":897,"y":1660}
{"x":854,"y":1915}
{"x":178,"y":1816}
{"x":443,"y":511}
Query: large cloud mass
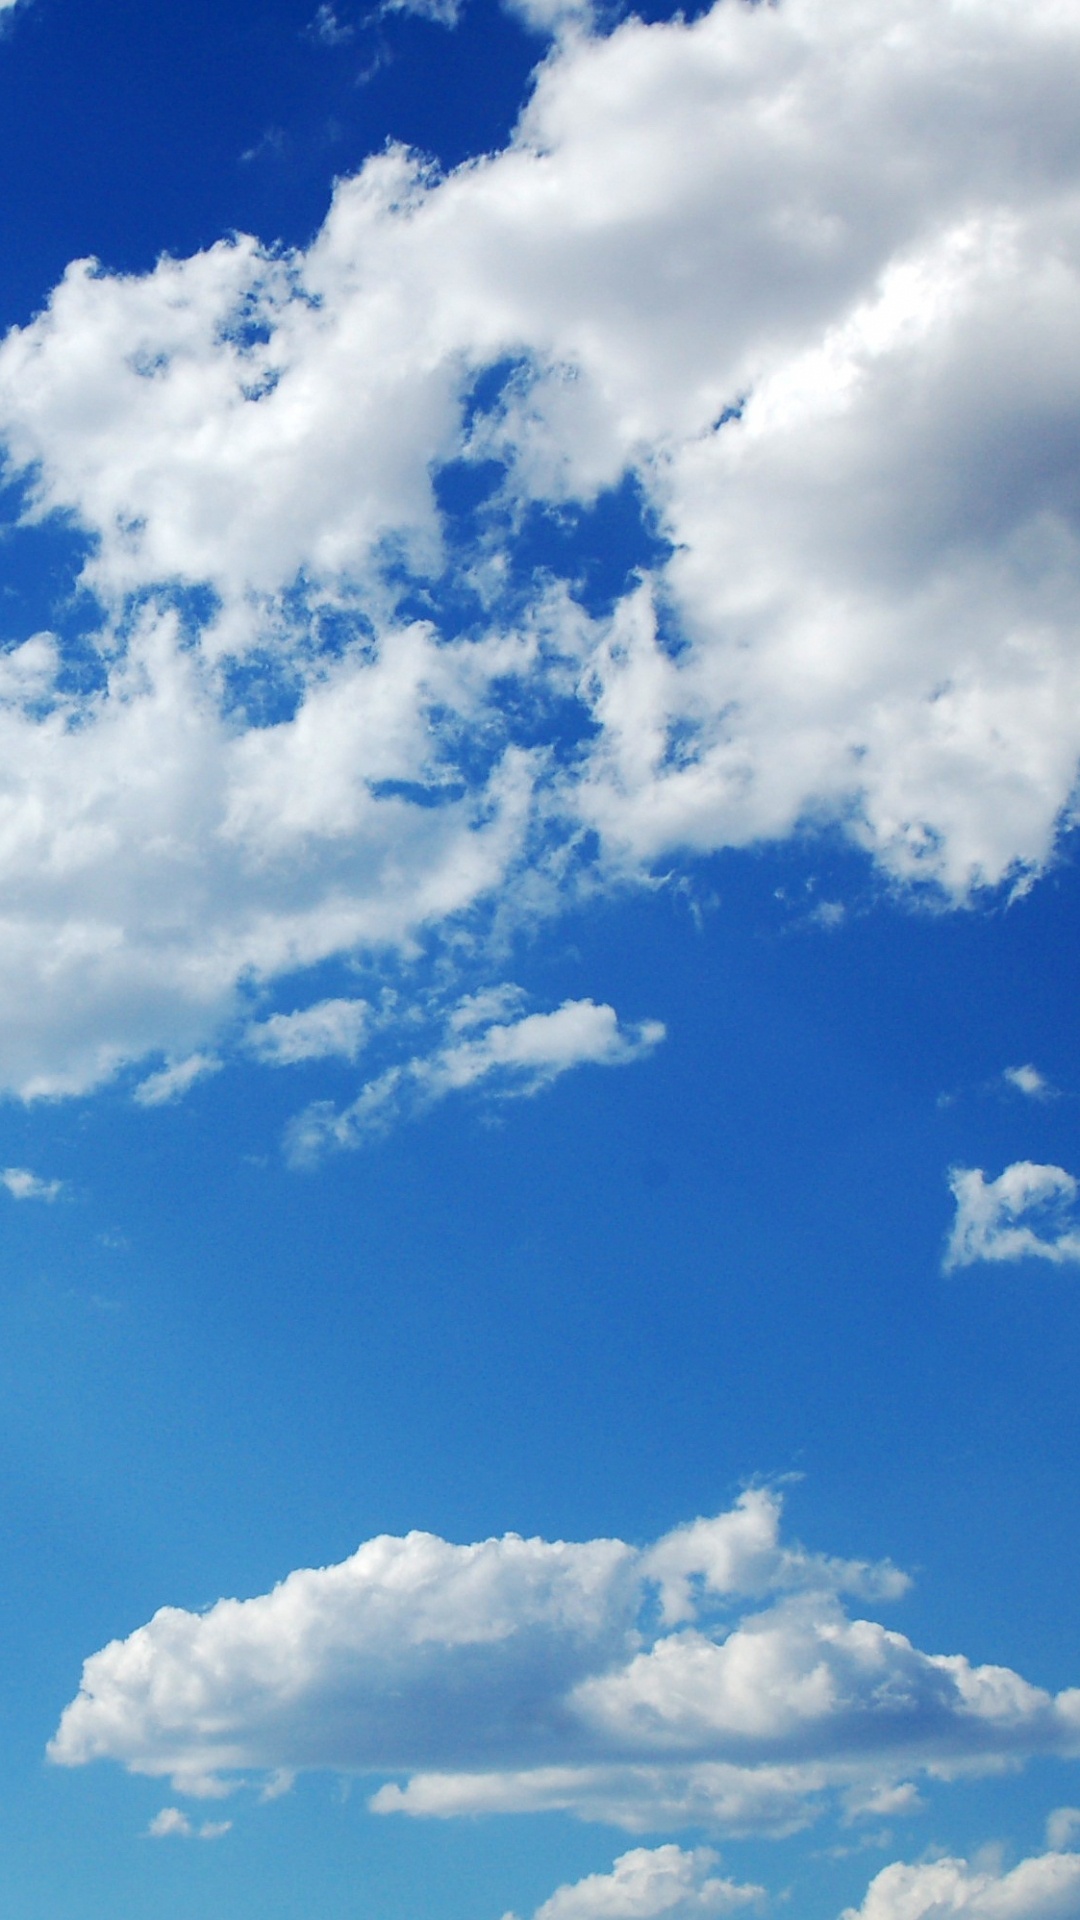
{"x":714,"y":1678}
{"x":807,"y":274}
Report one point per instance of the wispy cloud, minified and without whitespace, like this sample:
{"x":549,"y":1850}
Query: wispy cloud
{"x":160,"y":1089}
{"x":330,"y":1029}
{"x":24,"y":1185}
{"x":508,"y":1058}
{"x":1028,"y":1212}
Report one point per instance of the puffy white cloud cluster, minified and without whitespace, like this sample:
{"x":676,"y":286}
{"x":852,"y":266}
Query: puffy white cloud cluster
{"x":808,"y":273}
{"x":1028,"y":1212}
{"x":713,"y":1678}
{"x":649,"y":1882}
{"x":1046,"y":1887}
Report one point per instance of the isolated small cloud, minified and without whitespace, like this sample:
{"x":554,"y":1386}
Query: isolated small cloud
{"x":651,"y":1883}
{"x":171,"y":1824}
{"x":1026,"y":1213}
{"x":1030,"y":1081}
{"x":159,"y":1089}
{"x":24,"y":1185}
{"x":330,"y":1029}
{"x":509,"y":1057}
{"x":1046,"y":1887}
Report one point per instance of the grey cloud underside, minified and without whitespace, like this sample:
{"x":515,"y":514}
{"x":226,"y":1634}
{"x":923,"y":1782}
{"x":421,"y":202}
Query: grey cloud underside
{"x":808,"y":275}
{"x":714,"y":1679}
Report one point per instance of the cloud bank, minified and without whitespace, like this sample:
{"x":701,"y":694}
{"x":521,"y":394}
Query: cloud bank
{"x":329,"y":710}
{"x":712,"y":1679}
{"x":1027,"y":1213}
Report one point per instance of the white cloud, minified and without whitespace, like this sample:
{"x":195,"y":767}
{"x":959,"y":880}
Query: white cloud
{"x":160,"y":1089}
{"x":24,"y":1185}
{"x":848,"y":234}
{"x":445,"y":13}
{"x":649,"y":1882}
{"x":510,"y":1057}
{"x":1030,"y":1081}
{"x":522,"y":1675}
{"x":172,"y":1823}
{"x":1062,"y":1828}
{"x":1046,"y":1887}
{"x":994,"y":1217}
{"x":329,"y":1029}
{"x":327,"y":28}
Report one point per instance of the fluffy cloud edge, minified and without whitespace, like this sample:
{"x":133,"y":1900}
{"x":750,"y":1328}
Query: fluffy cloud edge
{"x":1043,"y":1887}
{"x":710,"y":1680}
{"x":773,"y":351}
{"x":1027,"y":1213}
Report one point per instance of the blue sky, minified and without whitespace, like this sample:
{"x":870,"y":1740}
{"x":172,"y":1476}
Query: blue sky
{"x":539,"y":576}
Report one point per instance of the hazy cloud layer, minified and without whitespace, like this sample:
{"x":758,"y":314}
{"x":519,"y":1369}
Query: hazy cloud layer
{"x":847,"y":398}
{"x":1028,"y":1212}
{"x":1044,"y":1888}
{"x":714,"y":1678}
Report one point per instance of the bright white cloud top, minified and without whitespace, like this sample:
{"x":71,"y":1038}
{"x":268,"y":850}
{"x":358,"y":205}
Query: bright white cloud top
{"x":713,"y":1679}
{"x":1028,"y":1212}
{"x":847,"y":396}
{"x":1046,"y":1887}
{"x":650,"y":1882}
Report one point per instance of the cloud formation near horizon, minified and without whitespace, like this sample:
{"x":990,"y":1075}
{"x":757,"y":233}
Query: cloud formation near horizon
{"x":713,"y":1679}
{"x":329,"y":712}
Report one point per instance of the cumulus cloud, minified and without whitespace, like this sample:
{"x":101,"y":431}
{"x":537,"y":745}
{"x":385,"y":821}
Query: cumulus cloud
{"x":1026,"y":1213}
{"x":649,"y":1882}
{"x":508,"y":1057}
{"x":24,"y":1185}
{"x":526,"y":1675}
{"x":173,"y":1824}
{"x":1046,"y":1887}
{"x":807,"y":278}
